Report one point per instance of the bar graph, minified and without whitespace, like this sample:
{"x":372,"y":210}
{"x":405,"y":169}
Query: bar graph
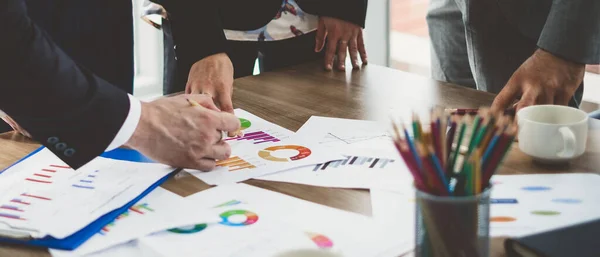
{"x":235,"y":163}
{"x":10,"y":216}
{"x":257,"y":137}
{"x":369,"y":162}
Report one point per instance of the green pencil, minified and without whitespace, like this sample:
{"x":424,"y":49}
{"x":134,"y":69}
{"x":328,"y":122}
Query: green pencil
{"x":461,"y":134}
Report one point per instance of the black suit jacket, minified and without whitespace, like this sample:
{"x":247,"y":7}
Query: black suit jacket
{"x":197,"y":26}
{"x":61,"y":104}
{"x":97,"y":34}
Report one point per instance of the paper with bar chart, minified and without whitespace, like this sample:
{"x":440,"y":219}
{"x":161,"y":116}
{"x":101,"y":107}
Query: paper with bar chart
{"x":258,"y":222}
{"x":158,"y":211}
{"x":529,"y":204}
{"x":251,"y":161}
{"x":370,"y":159}
{"x":360,"y":168}
{"x":257,"y":131}
{"x":44,"y":196}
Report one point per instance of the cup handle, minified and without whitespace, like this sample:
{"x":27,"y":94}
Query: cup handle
{"x":569,"y":143}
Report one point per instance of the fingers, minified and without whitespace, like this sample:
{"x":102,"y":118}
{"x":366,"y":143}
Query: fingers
{"x":506,"y":97}
{"x":225,"y":102}
{"x":205,"y":164}
{"x":321,"y":35}
{"x":220,"y":151}
{"x":562,"y":98}
{"x":227,"y":122}
{"x":205,"y":100}
{"x":353,"y":49}
{"x":361,"y":47}
{"x":330,"y":53}
{"x":341,"y":54}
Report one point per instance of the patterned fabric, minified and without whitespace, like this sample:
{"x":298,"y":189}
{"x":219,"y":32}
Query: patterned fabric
{"x":289,"y":22}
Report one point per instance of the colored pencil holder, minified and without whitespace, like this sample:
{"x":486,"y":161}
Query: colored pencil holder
{"x":452,"y":226}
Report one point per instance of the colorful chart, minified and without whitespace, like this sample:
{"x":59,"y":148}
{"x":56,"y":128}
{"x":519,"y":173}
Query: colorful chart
{"x":258,"y":137}
{"x":545,"y":213}
{"x":251,"y":218}
{"x":245,"y":123}
{"x":503,"y":201}
{"x":370,"y":162}
{"x":139,"y":209}
{"x":303,"y":152}
{"x":235,"y":163}
{"x":322,"y":241}
{"x":536,"y":188}
{"x":10,"y":216}
{"x":189,"y":229}
{"x":502,"y":219}
{"x":229,"y":203}
{"x":566,"y":200}
{"x":88,"y":182}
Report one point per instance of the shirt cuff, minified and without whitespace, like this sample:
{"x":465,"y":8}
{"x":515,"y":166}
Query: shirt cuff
{"x":130,"y":124}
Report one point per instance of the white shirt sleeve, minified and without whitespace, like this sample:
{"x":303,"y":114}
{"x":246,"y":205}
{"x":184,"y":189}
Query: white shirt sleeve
{"x":129,"y":126}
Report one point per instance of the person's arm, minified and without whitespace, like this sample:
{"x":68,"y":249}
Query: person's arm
{"x":73,"y":113}
{"x":572,"y":31}
{"x":354,"y":11}
{"x":197,"y":30}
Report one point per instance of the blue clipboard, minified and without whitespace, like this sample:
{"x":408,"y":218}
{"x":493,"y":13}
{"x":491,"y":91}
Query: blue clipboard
{"x":76,"y":239}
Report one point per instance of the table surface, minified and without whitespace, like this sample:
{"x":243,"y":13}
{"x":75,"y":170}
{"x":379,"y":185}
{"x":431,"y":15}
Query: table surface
{"x":289,"y":97}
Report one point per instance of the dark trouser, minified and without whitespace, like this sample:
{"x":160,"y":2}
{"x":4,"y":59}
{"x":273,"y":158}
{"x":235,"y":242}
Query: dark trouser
{"x":474,"y":45}
{"x":272,"y":55}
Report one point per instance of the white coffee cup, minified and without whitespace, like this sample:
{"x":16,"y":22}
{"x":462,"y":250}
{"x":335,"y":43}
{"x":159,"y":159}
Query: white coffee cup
{"x":552,"y":133}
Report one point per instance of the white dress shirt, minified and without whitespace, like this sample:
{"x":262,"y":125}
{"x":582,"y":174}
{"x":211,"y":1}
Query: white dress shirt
{"x":130,"y":124}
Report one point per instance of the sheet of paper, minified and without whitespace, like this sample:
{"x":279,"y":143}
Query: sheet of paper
{"x":335,"y":132}
{"x":258,"y":222}
{"x":395,"y":211}
{"x":47,"y":196}
{"x":158,"y":211}
{"x":251,"y":161}
{"x":371,"y":160}
{"x":529,"y":204}
{"x":360,"y":168}
{"x":257,"y":131}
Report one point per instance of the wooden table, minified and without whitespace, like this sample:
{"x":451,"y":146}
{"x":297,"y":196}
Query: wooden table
{"x":289,"y":97}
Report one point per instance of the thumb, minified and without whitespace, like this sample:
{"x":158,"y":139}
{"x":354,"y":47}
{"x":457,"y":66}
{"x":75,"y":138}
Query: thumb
{"x":320,"y":37}
{"x":225,"y":103}
{"x":505,"y":98}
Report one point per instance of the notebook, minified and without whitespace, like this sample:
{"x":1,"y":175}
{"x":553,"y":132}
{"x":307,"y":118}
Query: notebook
{"x":579,"y":240}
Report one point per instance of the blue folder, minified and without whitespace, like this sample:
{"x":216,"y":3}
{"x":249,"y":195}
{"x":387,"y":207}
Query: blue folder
{"x":76,"y":239}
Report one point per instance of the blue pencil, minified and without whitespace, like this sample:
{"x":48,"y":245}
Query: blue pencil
{"x":413,"y":149}
{"x":440,"y":171}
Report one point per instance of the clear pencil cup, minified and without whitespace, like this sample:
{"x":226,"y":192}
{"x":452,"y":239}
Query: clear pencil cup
{"x":452,"y":226}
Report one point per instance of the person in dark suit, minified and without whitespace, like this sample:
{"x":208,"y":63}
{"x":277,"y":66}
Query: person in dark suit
{"x":96,"y":34}
{"x":77,"y":115}
{"x":214,"y":42}
{"x":526,"y":51}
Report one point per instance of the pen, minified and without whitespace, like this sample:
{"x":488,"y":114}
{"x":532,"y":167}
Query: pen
{"x":195,"y":104}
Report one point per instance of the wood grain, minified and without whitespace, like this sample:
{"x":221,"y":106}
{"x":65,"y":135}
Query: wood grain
{"x":289,"y":97}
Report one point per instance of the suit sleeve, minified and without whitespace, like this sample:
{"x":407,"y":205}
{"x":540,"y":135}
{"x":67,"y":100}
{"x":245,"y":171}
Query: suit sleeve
{"x":196,"y":28}
{"x":62,"y":105}
{"x":572,"y":30}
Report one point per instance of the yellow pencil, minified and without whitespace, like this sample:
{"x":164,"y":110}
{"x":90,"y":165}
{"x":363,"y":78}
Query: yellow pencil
{"x":223,"y":134}
{"x":192,"y":102}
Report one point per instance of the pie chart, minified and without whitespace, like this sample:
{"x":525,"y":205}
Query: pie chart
{"x":267,"y":153}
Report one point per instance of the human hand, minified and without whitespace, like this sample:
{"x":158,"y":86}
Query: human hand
{"x":342,"y":36}
{"x":213,"y":75}
{"x":542,"y":79}
{"x":173,"y":132}
{"x":14,"y":125}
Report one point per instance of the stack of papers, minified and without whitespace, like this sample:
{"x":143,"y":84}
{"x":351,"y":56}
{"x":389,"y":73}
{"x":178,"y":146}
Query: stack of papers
{"x":42,"y":196}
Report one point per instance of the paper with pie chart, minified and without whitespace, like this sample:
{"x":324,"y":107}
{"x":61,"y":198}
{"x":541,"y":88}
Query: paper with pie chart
{"x":257,"y":222}
{"x":251,"y":161}
{"x":159,"y":210}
